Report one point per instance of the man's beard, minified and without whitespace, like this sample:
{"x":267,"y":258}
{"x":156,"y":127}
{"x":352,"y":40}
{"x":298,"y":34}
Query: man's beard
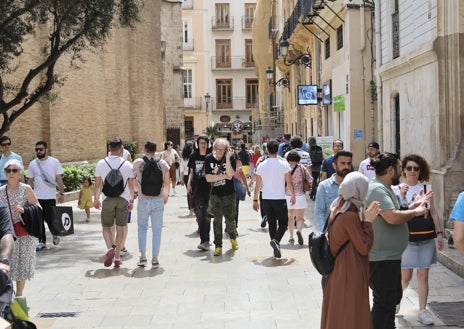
{"x":343,"y":173}
{"x":396,"y":179}
{"x":41,"y":155}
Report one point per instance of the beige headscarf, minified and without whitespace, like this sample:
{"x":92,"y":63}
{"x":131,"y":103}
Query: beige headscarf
{"x":353,"y":190}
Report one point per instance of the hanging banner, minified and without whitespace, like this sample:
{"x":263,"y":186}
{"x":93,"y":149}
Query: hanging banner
{"x":339,"y":103}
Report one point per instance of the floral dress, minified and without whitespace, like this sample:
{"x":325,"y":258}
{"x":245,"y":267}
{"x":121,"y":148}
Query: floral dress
{"x":24,"y":254}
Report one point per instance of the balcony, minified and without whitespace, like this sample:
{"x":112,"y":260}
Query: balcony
{"x":247,"y":23}
{"x":194,"y":103}
{"x":231,"y":63}
{"x":187,"y":4}
{"x":233,"y":103}
{"x":222,"y":23}
{"x":302,"y":9}
{"x":189,"y":45}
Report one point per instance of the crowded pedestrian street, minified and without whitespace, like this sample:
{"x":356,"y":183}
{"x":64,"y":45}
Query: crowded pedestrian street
{"x":246,"y":288}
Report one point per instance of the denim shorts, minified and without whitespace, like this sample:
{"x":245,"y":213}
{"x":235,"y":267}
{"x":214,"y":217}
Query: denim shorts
{"x":419,"y":255}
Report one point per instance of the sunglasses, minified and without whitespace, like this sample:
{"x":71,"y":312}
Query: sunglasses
{"x":12,"y":170}
{"x":411,"y":168}
{"x":6,"y":144}
{"x":37,"y":149}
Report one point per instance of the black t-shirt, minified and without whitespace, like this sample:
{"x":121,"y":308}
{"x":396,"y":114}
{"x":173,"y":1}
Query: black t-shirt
{"x":224,"y":186}
{"x":6,"y":227}
{"x":199,"y":183}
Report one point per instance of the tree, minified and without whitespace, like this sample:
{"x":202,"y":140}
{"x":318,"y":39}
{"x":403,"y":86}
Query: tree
{"x":73,"y":27}
{"x":212,"y":132}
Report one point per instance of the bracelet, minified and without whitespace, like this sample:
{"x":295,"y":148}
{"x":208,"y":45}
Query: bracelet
{"x":439,"y":232}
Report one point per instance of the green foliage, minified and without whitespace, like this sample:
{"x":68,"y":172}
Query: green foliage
{"x":131,"y":147}
{"x":72,"y":175}
{"x":73,"y":27}
{"x":212,"y":132}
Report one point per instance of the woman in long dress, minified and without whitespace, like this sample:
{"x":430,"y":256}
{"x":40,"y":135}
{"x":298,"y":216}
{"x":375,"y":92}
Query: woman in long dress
{"x":346,"y":295}
{"x":15,"y":195}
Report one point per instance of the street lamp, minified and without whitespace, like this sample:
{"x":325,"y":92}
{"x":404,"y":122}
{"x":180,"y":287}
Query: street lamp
{"x":270,"y":76}
{"x":304,"y":59}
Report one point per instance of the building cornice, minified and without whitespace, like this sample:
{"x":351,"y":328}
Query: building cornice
{"x":404,"y":64}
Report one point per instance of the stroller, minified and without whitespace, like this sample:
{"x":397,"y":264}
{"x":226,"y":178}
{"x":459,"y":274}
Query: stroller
{"x":6,"y":299}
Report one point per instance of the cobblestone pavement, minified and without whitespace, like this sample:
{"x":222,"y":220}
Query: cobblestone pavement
{"x":192,"y":289}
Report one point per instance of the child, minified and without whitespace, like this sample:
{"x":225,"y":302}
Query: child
{"x":85,"y":197}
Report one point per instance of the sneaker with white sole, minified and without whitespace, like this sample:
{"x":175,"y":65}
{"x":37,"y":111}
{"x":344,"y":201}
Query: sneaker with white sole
{"x":425,"y":317}
{"x":204,"y":246}
{"x":275,"y":245}
{"x":41,"y":246}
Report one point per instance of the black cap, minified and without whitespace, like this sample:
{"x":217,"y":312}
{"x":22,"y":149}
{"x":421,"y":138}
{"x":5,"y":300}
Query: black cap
{"x":374,"y":145}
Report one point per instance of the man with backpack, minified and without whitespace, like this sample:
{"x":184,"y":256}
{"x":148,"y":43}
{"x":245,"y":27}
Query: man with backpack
{"x":153,"y":177}
{"x":114,"y":183}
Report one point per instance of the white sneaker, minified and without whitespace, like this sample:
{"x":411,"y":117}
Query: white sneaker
{"x":425,"y":317}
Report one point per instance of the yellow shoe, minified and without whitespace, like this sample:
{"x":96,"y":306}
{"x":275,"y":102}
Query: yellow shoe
{"x":234,"y":244}
{"x":218,"y":251}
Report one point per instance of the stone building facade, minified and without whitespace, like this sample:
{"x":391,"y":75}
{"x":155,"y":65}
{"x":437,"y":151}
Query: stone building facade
{"x":131,"y":88}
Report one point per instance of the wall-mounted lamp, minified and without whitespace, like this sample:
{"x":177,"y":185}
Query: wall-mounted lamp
{"x":281,"y":82}
{"x":304,"y":59}
{"x":207,"y":100}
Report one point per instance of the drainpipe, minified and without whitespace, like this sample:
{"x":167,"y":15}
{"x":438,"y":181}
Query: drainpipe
{"x":378,"y":63}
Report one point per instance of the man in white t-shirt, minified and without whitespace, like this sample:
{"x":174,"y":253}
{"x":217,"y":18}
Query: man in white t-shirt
{"x":114,"y":208}
{"x":45,"y":174}
{"x":365,"y":167}
{"x":271,"y":176}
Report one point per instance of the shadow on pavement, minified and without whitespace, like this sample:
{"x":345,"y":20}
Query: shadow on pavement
{"x":273,"y":262}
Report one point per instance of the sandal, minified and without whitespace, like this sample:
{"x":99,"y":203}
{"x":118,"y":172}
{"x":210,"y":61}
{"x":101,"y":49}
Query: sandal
{"x":142,"y":262}
{"x":154,"y":263}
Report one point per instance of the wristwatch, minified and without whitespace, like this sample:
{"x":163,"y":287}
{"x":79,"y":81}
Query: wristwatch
{"x":5,"y":261}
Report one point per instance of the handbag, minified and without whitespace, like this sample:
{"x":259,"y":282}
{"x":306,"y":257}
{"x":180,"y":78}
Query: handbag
{"x":307,"y":182}
{"x":240,"y":190}
{"x":319,"y":249}
{"x":421,"y":228}
{"x":62,"y":222}
{"x":18,"y":227}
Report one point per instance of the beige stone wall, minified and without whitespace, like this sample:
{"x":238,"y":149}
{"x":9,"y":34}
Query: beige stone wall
{"x":117,"y":91}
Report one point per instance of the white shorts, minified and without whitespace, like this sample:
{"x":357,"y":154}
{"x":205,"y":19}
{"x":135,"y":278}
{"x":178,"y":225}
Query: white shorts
{"x":300,"y":202}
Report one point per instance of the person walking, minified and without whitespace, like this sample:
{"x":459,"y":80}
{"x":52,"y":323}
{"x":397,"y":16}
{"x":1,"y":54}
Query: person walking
{"x":117,"y":198}
{"x":152,"y":177}
{"x":421,"y":251}
{"x":219,"y":171}
{"x":16,"y":196}
{"x":457,"y":216}
{"x":317,"y":157}
{"x":390,"y":238}
{"x":327,"y":169}
{"x":85,"y":201}
{"x":184,"y":169}
{"x":7,"y":155}
{"x":345,"y":303}
{"x":44,"y":175}
{"x":296,"y":211}
{"x":171,"y":157}
{"x":365,"y":167}
{"x":199,"y":189}
{"x":271,"y":176}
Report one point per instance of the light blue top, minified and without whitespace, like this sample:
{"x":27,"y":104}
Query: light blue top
{"x":327,"y":191}
{"x":458,"y":210}
{"x":4,"y":159}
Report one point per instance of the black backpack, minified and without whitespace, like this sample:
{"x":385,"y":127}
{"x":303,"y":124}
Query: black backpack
{"x":316,"y":155}
{"x":244,"y":157}
{"x":113,"y":186}
{"x":152,"y":177}
{"x":319,"y":250}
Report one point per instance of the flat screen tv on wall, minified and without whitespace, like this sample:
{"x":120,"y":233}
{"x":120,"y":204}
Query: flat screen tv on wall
{"x":327,"y":93}
{"x":307,"y":94}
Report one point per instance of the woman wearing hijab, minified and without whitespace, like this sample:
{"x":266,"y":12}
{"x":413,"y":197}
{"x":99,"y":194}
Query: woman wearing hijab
{"x":346,"y":294}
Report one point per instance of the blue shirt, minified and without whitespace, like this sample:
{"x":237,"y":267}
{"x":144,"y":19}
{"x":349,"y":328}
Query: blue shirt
{"x":327,"y":191}
{"x":327,"y":166}
{"x":280,"y":150}
{"x":458,"y":210}
{"x":4,"y":159}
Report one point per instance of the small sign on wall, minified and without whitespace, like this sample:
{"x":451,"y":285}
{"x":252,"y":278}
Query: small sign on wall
{"x":358,"y":134}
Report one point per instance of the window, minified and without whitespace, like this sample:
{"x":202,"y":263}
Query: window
{"x":187,"y":40}
{"x":223,"y":53}
{"x":340,"y":37}
{"x":187,"y":4}
{"x":222,"y":15}
{"x":251,"y":93}
{"x":249,"y":61}
{"x":396,"y":31}
{"x":249,"y":15}
{"x":187,"y":80}
{"x":224,"y":93}
{"x":327,"y":48}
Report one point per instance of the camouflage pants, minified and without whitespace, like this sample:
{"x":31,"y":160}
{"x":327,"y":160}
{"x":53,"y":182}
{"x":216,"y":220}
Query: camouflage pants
{"x":223,"y":207}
